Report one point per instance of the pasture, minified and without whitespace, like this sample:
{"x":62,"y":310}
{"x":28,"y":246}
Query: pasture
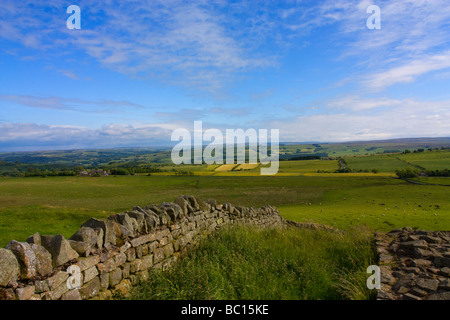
{"x":55,"y":205}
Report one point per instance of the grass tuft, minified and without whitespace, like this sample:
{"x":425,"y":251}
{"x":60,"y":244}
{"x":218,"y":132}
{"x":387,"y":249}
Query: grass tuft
{"x":289,"y":264}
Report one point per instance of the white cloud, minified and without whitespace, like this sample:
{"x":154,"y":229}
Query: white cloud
{"x":31,"y":136}
{"x":409,"y":72}
{"x":400,"y":119}
{"x":70,"y":104}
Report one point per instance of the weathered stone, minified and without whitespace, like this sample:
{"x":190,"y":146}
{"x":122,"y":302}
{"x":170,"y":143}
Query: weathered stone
{"x":183,"y":204}
{"x":428,"y":284}
{"x":71,"y":295}
{"x":43,"y":260}
{"x":439,"y":296}
{"x":90,"y":289}
{"x":90,"y":274}
{"x":104,"y":295}
{"x":131,"y":254}
{"x":409,"y":296}
{"x":126,"y":270}
{"x":418,"y":292}
{"x":146,"y":262}
{"x":445,"y":271}
{"x":445,"y":284}
{"x":174,"y":211}
{"x":35,"y":238}
{"x":384,"y":295}
{"x":127,"y":226}
{"x":151,"y":219}
{"x":59,"y":248}
{"x":26,"y":257}
{"x":57,"y":279}
{"x":56,"y":293}
{"x":168,"y":250}
{"x":403,"y":290}
{"x":109,"y":233}
{"x":384,"y":258}
{"x":411,"y":245}
{"x":431,"y":239}
{"x":421,"y":263}
{"x":192,"y":202}
{"x":442,"y":262}
{"x":86,"y":263}
{"x":139,"y":217}
{"x":120,"y":259}
{"x":25,"y":293}
{"x":104,"y":280}
{"x":139,"y":251}
{"x":123,"y":288}
{"x":7,"y":294}
{"x":41,"y":286}
{"x":91,"y":236}
{"x":107,"y":266}
{"x":143,"y":239}
{"x":158,"y":255}
{"x":115,"y":277}
{"x":82,"y":248}
{"x":9,"y":267}
{"x":422,"y":253}
{"x":135,"y":265}
{"x":386,"y":276}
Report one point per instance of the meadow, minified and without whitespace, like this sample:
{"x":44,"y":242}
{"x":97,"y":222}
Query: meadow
{"x":268,"y":264}
{"x":61,"y":204}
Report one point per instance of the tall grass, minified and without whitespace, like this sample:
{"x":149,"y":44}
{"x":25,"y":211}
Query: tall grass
{"x":272,"y":264}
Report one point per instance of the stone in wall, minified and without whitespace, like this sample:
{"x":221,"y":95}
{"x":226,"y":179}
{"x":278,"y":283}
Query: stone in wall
{"x":59,"y":248}
{"x":9,"y":267}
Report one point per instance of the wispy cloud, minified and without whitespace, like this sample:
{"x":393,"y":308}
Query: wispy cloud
{"x":393,"y":119}
{"x":31,"y":136}
{"x":70,"y":104}
{"x":409,"y":72}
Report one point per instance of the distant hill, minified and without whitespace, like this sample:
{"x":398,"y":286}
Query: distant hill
{"x":288,"y":150}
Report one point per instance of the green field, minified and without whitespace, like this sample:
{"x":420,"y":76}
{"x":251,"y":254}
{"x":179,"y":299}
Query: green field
{"x":383,"y":163}
{"x":268,"y":264}
{"x":61,"y":204}
{"x":306,"y":166}
{"x":436,"y":160}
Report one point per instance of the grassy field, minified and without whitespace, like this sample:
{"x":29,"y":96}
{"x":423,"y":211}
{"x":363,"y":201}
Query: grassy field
{"x":436,"y":160}
{"x":381,"y":162}
{"x":306,"y":166}
{"x":61,"y":204}
{"x":247,"y":263}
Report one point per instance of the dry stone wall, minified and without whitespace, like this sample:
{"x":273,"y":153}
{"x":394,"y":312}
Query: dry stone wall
{"x":415,"y":265}
{"x":106,"y":256}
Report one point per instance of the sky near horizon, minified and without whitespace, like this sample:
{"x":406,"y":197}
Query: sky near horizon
{"x":137,"y":70}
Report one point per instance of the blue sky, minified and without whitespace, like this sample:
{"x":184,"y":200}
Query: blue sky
{"x":137,"y":70}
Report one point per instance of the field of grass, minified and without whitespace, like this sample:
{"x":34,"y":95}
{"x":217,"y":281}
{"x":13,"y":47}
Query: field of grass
{"x":247,"y":166}
{"x":55,"y":205}
{"x":226,"y":167}
{"x":381,"y":162}
{"x":269,"y":264}
{"x":306,"y":166}
{"x":436,"y":160}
